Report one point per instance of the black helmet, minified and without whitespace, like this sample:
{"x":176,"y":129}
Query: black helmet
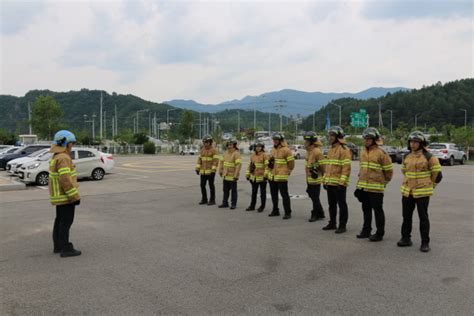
{"x":419,"y":137}
{"x":278,"y":136}
{"x":259,"y":143}
{"x":207,"y":138}
{"x":371,"y":132}
{"x":232,"y":141}
{"x":336,"y":130}
{"x":310,"y":137}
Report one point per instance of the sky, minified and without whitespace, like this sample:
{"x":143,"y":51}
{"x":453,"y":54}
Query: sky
{"x":222,"y":50}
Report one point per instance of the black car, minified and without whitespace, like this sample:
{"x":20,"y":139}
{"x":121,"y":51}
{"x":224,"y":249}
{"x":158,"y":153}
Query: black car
{"x":19,"y":153}
{"x":354,"y":149}
{"x":391,"y":151}
{"x":400,"y":153}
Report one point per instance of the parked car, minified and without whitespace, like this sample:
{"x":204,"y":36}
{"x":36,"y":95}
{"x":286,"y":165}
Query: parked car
{"x":447,"y":153}
{"x":391,"y":151}
{"x":13,"y":166}
{"x":4,"y":147}
{"x":400,"y":154}
{"x":299,"y":151}
{"x":20,"y":152}
{"x":107,"y":160}
{"x":8,"y":150}
{"x":354,"y":149}
{"x":87,"y":161}
{"x":188,"y":151}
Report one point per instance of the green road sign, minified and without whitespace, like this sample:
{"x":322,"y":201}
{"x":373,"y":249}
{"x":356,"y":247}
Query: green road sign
{"x":358,"y":118}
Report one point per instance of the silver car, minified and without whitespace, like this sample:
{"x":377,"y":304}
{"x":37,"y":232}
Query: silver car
{"x":447,"y":153}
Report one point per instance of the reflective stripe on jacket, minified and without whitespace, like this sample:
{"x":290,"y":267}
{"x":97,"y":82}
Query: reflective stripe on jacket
{"x":284,"y":163}
{"x":208,"y":161}
{"x":230,"y":165}
{"x":63,"y":187}
{"x":419,"y":174}
{"x":261,"y":167}
{"x":314,"y":158}
{"x":337,"y":165}
{"x":376,"y":169}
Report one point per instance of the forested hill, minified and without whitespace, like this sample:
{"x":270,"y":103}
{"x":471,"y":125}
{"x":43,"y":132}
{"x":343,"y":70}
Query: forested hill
{"x":433,"y":106}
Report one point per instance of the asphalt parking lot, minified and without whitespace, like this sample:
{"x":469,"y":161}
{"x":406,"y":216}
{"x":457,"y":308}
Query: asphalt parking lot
{"x":148,"y":248}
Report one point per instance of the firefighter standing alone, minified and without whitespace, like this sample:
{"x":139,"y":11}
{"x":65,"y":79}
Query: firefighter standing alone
{"x":63,"y":191}
{"x":376,"y":170}
{"x":422,"y":172}
{"x":206,"y":167}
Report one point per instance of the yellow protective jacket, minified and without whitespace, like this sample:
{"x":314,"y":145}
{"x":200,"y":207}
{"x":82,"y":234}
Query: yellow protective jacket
{"x":314,"y":158}
{"x":63,"y":187}
{"x":337,"y":165}
{"x":284,"y":163}
{"x":208,"y":161}
{"x":376,"y":169}
{"x":260,"y":160}
{"x":230,"y":165}
{"x":419,"y":174}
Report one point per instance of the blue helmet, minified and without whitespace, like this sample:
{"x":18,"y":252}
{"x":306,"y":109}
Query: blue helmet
{"x":62,"y":138}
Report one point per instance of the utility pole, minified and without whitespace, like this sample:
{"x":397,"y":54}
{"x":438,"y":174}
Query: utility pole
{"x":105,"y":124}
{"x":137,"y":131}
{"x":29,"y":119}
{"x":116,"y":120}
{"x":465,"y":118}
{"x":200,"y":126}
{"x":100,"y":115}
{"x":279,"y":105}
{"x":339,"y":106}
{"x":391,"y":121}
{"x":113,"y":127}
{"x":380,"y":116}
{"x":93,"y":124}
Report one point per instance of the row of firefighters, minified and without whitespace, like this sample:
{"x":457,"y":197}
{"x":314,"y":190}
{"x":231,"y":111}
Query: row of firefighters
{"x":421,"y":170}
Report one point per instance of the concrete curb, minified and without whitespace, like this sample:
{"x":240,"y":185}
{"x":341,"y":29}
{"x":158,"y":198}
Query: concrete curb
{"x":7,"y":184}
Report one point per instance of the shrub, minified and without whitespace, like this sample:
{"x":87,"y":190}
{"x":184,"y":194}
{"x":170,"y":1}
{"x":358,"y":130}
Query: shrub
{"x":149,"y":148}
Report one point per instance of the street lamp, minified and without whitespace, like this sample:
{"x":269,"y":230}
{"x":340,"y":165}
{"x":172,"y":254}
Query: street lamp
{"x":168,"y":115}
{"x":465,"y":117}
{"x":93,"y":123}
{"x":340,"y":106}
{"x":138,"y":120}
{"x":391,"y":112}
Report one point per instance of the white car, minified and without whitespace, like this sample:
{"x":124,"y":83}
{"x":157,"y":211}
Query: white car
{"x":447,"y":153}
{"x":87,"y":161}
{"x":13,"y":166}
{"x":8,"y":150}
{"x":107,"y":160}
{"x":299,"y":151}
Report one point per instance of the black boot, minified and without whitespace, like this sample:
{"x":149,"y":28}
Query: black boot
{"x":260,"y":209}
{"x":56,"y":249}
{"x":233,"y":206}
{"x":425,"y":247}
{"x":287,"y":216}
{"x":329,"y":227}
{"x":320,"y":216}
{"x":211,"y":202}
{"x":376,"y":237}
{"x":340,"y":230}
{"x":69,"y":251}
{"x":274,"y":213}
{"x":363,"y":234}
{"x":404,"y":242}
{"x":223,"y":205}
{"x":250,"y":208}
{"x":203,"y":202}
{"x":313,"y":217}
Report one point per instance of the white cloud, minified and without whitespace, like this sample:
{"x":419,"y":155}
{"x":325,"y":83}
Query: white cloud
{"x":216,"y":51}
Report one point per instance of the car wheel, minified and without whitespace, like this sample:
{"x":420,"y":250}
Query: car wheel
{"x":98,"y":174}
{"x":451,"y":161}
{"x":463,"y":160}
{"x":42,"y":178}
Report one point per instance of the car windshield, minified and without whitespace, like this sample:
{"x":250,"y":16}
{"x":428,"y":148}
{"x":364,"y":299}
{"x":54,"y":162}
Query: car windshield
{"x":37,"y":153}
{"x":437,"y":146}
{"x":45,"y":157}
{"x":18,"y":151}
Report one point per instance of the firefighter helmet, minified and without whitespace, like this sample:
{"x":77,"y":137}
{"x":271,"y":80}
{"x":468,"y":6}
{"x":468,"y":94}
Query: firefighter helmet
{"x":63,"y":137}
{"x":371,"y":132}
{"x":336,"y":130}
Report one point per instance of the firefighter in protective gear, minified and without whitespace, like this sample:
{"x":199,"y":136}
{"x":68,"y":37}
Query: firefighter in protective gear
{"x":63,"y":191}
{"x":229,"y":170}
{"x":422,"y":172}
{"x":281,"y":164}
{"x":206,"y":167}
{"x":314,"y":173}
{"x":337,"y":169}
{"x":256,"y":173}
{"x":376,"y":170}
